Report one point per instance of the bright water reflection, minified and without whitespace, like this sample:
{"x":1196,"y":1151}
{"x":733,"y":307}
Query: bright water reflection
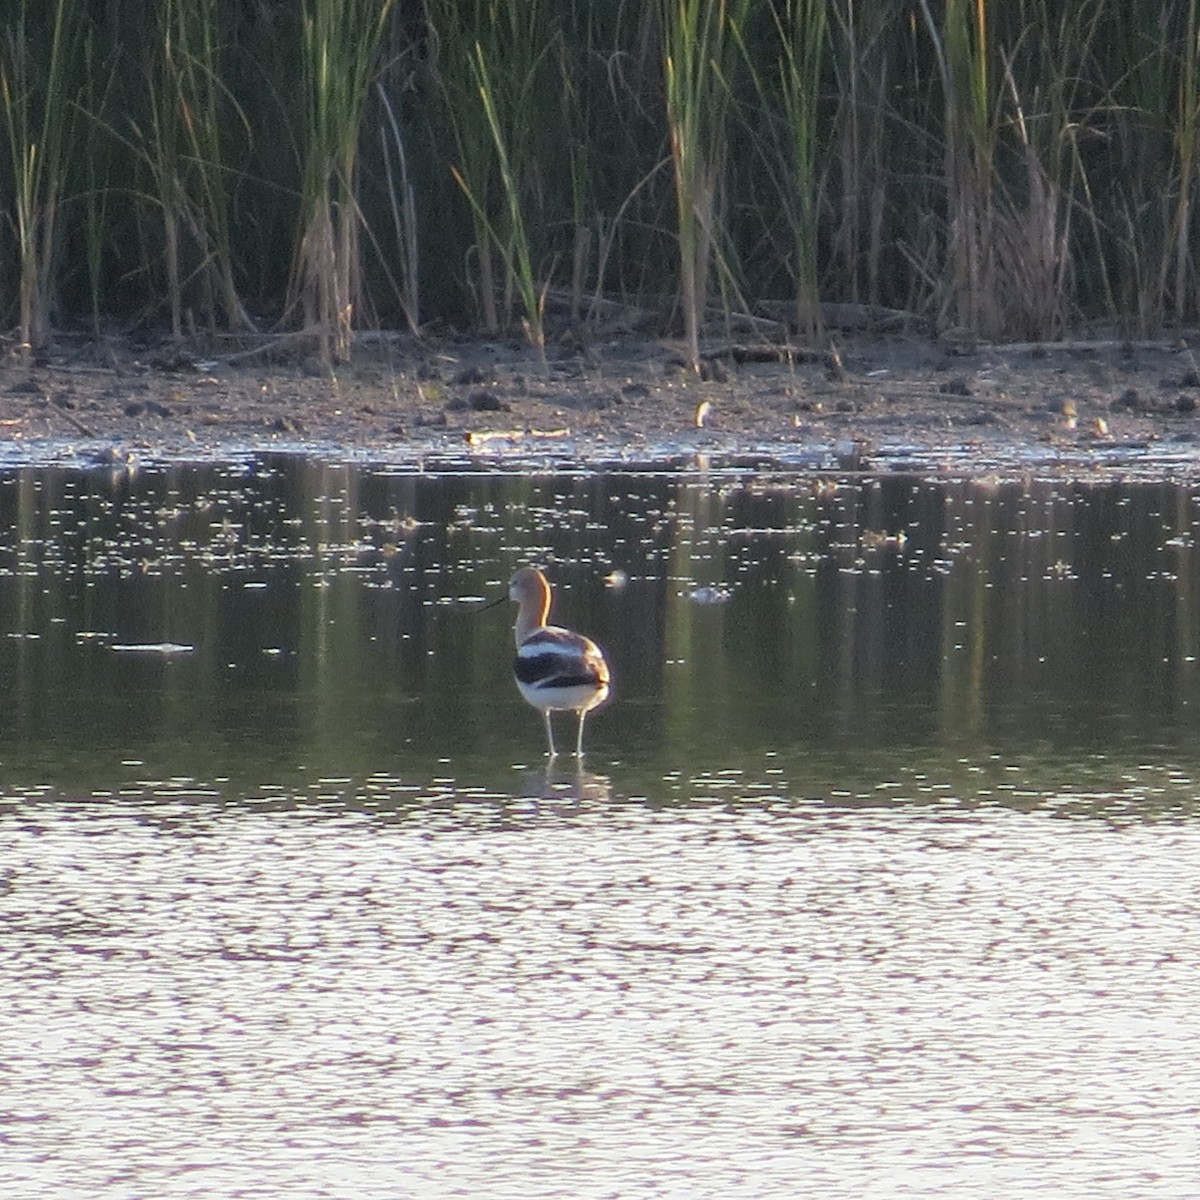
{"x":879,"y":880}
{"x":605,"y":1000}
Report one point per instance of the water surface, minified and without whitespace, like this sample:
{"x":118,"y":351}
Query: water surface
{"x":878,"y":879}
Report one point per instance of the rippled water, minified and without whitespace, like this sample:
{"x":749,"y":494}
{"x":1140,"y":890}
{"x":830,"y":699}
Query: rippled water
{"x":598,"y":999}
{"x":879,"y":879}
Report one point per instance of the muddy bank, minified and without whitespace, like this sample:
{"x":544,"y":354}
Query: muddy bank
{"x":1102,"y":405}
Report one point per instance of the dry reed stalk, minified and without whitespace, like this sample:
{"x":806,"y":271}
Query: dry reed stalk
{"x":340,"y":40}
{"x":697,"y":68}
{"x":40,"y":128}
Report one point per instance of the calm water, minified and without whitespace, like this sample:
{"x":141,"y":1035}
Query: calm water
{"x":879,"y":878}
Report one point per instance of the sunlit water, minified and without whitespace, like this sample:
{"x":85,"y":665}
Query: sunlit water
{"x":879,"y":878}
{"x":598,"y":1000}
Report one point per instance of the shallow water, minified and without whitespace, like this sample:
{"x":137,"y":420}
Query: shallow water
{"x":598,"y":999}
{"x":878,"y":879}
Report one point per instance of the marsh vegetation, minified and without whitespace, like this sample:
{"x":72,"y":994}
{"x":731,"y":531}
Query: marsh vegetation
{"x":994,"y":170}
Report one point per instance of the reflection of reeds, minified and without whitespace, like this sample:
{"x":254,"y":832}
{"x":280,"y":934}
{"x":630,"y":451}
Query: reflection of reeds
{"x":1002,"y":170}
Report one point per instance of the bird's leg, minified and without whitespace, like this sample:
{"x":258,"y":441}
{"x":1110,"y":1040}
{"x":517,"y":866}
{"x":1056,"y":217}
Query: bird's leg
{"x":550,"y":734}
{"x":579,"y":739}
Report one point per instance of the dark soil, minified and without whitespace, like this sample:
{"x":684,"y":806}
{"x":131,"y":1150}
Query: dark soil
{"x":1108,"y":404}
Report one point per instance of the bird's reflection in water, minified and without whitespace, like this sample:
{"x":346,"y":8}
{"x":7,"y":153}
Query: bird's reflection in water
{"x":563,"y":786}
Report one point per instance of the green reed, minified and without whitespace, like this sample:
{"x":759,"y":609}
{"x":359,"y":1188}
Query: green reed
{"x":184,"y":154}
{"x":459,"y":123}
{"x":995,"y":170}
{"x":857,"y":135}
{"x":961,"y":46}
{"x":789,"y":146}
{"x":577,"y":101}
{"x":514,"y":243}
{"x":40,"y":126}
{"x":497,"y":71}
{"x":699,"y":46}
{"x":403,"y":207}
{"x":1186,"y":131}
{"x":99,"y":74}
{"x":1045,"y":208}
{"x":338,"y":46}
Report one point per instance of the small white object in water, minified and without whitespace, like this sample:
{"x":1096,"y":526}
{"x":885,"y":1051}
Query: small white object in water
{"x":709,"y":595}
{"x":153,"y":648}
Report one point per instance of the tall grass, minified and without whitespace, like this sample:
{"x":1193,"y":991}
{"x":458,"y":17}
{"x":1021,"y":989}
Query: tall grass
{"x":513,"y":243}
{"x":970,"y":162}
{"x":855,"y":156}
{"x":34,"y":66}
{"x":182,"y":150}
{"x":337,"y":56}
{"x":699,"y":44}
{"x":997,"y":170}
{"x":789,"y":145}
{"x":403,"y":204}
{"x":493,"y":60}
{"x":1186,"y":130}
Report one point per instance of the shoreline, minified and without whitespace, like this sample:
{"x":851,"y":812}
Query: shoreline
{"x":886,"y":403}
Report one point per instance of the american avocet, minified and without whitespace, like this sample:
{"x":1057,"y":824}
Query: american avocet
{"x":556,"y":670}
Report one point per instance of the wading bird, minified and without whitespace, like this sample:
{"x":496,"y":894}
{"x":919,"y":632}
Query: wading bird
{"x":556,"y":669}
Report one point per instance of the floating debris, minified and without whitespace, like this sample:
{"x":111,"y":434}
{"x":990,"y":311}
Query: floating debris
{"x":152,"y":648}
{"x":878,"y":539}
{"x":710,"y":595}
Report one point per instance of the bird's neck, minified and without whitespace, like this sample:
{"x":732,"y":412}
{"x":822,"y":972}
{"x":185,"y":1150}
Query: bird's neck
{"x":531,"y":618}
{"x":526,"y":625}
